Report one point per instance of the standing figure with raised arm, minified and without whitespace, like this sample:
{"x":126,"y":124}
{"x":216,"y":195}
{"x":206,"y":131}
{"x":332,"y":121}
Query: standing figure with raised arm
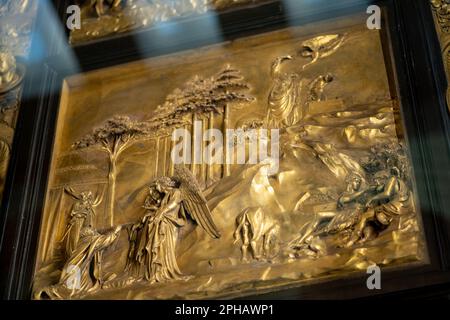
{"x":82,"y":271}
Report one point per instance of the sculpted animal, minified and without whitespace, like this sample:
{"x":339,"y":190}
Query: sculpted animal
{"x":257,"y":231}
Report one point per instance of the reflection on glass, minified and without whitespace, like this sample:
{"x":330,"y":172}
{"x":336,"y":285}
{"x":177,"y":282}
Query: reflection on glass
{"x":341,"y":200}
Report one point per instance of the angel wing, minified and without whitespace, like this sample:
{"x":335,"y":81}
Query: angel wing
{"x":194,"y":202}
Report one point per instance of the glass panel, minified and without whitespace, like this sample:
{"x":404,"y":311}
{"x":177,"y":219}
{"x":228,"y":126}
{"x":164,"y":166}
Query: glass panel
{"x":295,"y":168}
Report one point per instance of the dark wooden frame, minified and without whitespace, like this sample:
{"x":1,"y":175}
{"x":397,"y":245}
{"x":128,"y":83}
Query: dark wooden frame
{"x":422,"y":87}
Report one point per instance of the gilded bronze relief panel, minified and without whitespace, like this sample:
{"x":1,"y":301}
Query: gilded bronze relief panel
{"x":335,"y":193}
{"x":16,"y":20}
{"x":441,"y":13}
{"x":105,"y":18}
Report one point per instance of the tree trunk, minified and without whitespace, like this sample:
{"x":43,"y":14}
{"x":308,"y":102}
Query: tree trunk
{"x":111,"y":189}
{"x":226,"y":165}
{"x":157,"y":157}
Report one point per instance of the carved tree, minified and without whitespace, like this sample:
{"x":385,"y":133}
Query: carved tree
{"x":114,"y":137}
{"x":204,"y":97}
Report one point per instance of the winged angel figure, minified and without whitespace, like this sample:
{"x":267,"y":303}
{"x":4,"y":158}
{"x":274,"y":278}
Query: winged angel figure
{"x":153,"y":240}
{"x":81,"y":217}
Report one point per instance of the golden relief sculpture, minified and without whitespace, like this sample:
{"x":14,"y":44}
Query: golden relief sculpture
{"x":84,"y":247}
{"x":11,"y":76}
{"x":177,"y":199}
{"x":102,"y":18}
{"x":257,"y":232}
{"x":321,"y":47}
{"x":16,"y":19}
{"x":134,"y":224}
{"x":441,"y":10}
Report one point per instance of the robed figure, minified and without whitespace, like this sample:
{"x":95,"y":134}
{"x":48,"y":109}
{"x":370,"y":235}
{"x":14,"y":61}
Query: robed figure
{"x":153,"y":240}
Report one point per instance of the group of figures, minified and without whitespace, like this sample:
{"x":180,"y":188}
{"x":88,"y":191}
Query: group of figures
{"x":366,"y":208}
{"x":171,"y":202}
{"x":16,"y":20}
{"x":377,"y":181}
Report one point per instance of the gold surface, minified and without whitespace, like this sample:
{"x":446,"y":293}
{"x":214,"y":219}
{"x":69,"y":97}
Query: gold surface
{"x":11,"y":77}
{"x":104,"y":18}
{"x":343,"y":198}
{"x":441,"y":13}
{"x":16,"y":19}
